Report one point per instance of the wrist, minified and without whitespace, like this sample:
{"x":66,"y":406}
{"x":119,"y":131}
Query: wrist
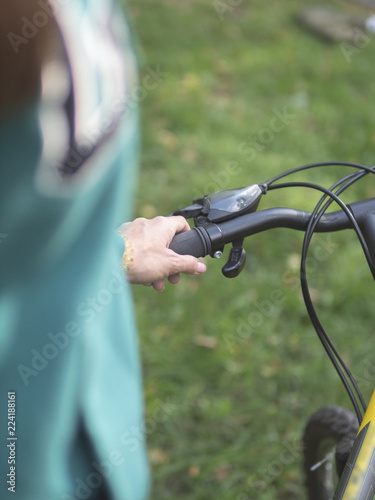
{"x":127,"y":256}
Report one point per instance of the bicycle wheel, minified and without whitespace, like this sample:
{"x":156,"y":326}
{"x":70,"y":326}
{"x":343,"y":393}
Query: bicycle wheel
{"x":325,"y":429}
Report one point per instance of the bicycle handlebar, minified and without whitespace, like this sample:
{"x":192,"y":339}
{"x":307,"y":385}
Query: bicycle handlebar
{"x":202,"y":241}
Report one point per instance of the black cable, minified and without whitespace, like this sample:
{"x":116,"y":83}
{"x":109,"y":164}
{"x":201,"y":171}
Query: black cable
{"x":328,"y":345}
{"x":326,"y":341}
{"x":342,"y":185}
{"x":342,"y":206}
{"x":315,"y":165}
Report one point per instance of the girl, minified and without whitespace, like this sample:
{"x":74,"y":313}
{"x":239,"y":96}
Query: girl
{"x":68,"y":346}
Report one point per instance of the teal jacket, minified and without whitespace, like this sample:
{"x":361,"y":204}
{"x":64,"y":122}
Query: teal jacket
{"x":69,"y":363}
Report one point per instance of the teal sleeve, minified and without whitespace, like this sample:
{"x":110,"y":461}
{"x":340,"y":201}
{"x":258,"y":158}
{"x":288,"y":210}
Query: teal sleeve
{"x":120,"y":243}
{"x":68,"y":341}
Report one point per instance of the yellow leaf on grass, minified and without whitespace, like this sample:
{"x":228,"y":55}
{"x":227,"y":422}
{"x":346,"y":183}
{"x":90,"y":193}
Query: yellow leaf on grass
{"x":191,"y":81}
{"x":157,"y":456}
{"x":194,"y":470}
{"x":205,"y":341}
{"x":167,"y":139}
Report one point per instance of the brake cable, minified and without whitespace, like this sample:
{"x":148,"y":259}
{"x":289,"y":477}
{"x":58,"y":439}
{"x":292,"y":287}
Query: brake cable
{"x":316,"y":215}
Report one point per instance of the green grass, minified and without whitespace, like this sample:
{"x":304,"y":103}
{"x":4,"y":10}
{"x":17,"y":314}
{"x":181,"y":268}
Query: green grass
{"x":238,"y":359}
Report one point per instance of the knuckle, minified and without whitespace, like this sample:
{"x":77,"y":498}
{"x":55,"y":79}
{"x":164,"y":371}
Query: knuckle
{"x":186,"y":264}
{"x":159,"y":219}
{"x":175,"y":264}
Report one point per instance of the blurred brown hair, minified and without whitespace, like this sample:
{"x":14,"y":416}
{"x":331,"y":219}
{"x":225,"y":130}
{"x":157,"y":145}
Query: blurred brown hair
{"x":21,"y":57}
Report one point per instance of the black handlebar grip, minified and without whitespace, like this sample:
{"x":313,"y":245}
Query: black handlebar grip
{"x":194,"y":242}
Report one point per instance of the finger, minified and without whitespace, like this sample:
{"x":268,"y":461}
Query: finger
{"x":174,"y":279}
{"x":188,"y":264}
{"x":179,"y":224}
{"x":159,"y":285}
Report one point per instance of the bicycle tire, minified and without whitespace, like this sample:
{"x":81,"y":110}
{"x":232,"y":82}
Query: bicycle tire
{"x":324,"y":431}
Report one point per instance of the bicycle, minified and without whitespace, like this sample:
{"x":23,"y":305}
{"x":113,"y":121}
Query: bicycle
{"x":228,"y":217}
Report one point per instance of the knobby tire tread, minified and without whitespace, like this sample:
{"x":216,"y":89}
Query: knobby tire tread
{"x":329,"y":425}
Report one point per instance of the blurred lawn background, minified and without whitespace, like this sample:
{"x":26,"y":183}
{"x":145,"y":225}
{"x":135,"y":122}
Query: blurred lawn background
{"x":236,"y":360}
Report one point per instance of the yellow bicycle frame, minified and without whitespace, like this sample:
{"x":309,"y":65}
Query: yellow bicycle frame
{"x":358,"y":479}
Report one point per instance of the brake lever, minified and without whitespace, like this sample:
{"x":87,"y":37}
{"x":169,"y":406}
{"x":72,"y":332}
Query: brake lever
{"x":236,"y":260}
{"x":190,"y":212}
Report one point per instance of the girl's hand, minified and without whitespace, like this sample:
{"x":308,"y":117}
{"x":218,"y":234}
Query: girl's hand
{"x":147,"y":258}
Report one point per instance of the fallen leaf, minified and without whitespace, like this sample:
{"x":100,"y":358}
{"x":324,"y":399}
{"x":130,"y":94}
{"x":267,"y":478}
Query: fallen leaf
{"x":222,"y":472}
{"x":158,"y":456}
{"x":205,"y":341}
{"x":294,"y":261}
{"x":167,"y":139}
{"x":191,"y":81}
{"x":194,"y":470}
